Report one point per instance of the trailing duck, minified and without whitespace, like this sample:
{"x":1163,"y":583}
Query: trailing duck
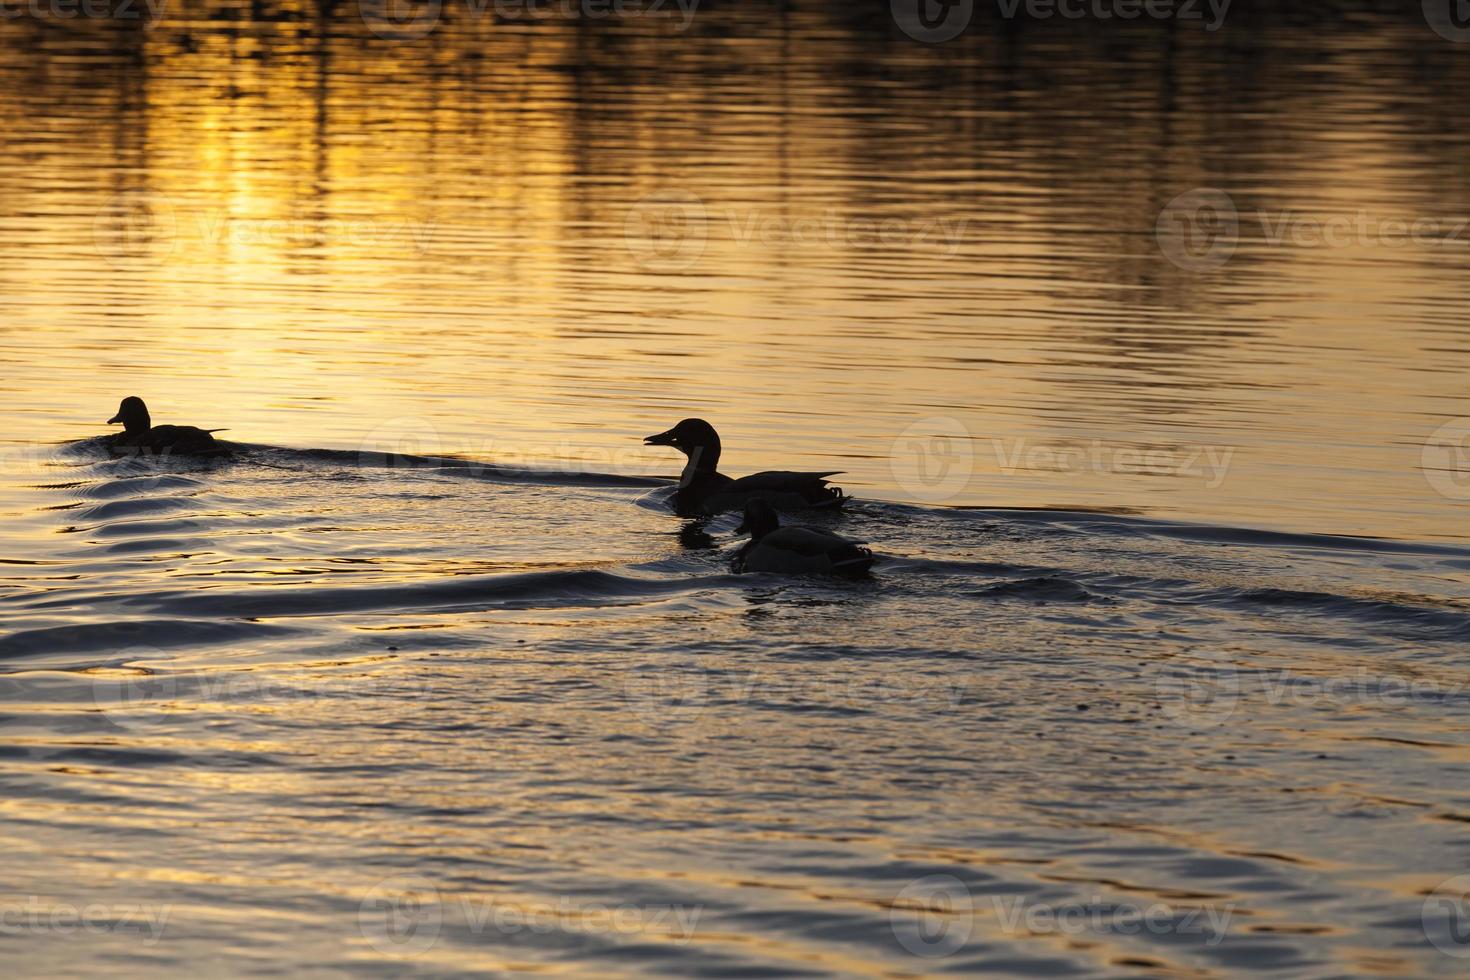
{"x":794,"y":549}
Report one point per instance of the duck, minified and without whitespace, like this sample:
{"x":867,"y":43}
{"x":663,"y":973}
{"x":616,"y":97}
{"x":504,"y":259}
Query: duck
{"x":795,"y":549}
{"x":703,"y":490}
{"x":141,"y":435}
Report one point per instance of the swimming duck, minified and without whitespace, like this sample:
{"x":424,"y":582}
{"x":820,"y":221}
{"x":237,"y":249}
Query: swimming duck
{"x":773,"y":548}
{"x":140,"y":434}
{"x":704,"y":490}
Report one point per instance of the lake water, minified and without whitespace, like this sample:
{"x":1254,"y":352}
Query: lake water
{"x":1144,"y":347}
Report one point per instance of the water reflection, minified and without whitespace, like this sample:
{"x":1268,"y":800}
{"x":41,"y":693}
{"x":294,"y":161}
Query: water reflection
{"x":548,"y":230}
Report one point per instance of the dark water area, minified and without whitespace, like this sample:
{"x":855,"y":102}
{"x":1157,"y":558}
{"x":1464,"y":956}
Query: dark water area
{"x":1142,"y":344}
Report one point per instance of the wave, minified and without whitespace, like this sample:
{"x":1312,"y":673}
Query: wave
{"x":135,"y":468}
{"x":130,"y":637}
{"x":529,"y":589}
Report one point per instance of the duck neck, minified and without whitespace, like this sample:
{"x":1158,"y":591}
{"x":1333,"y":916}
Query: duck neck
{"x":702,"y":462}
{"x":138,"y":425}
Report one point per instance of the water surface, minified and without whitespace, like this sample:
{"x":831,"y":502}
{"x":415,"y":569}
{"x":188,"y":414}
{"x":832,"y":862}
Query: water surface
{"x":1175,"y":590}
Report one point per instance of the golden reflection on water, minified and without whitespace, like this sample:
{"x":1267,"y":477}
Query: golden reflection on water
{"x":932,"y":267}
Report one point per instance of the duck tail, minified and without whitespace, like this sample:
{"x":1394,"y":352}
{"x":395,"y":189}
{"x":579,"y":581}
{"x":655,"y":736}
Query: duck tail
{"x":831,"y":497}
{"x":853,"y":560}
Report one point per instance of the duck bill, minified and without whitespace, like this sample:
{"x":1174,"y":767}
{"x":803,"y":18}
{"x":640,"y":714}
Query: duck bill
{"x":662,"y":439}
{"x":114,"y":420}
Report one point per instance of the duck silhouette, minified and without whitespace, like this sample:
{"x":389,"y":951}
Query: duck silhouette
{"x":704,"y":490}
{"x":795,"y":549}
{"x":140,"y":435}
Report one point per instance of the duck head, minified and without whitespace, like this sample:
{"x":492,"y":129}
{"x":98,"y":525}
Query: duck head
{"x":696,"y":439}
{"x":133,"y":415}
{"x":760,"y":519}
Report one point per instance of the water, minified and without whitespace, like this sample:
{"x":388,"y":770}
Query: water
{"x":1163,"y":670}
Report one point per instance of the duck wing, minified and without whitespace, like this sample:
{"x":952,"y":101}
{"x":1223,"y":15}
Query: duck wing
{"x":806,"y":541}
{"x":788,"y":489}
{"x":803,"y":549}
{"x":181,"y":439}
{"x":715,"y":493}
